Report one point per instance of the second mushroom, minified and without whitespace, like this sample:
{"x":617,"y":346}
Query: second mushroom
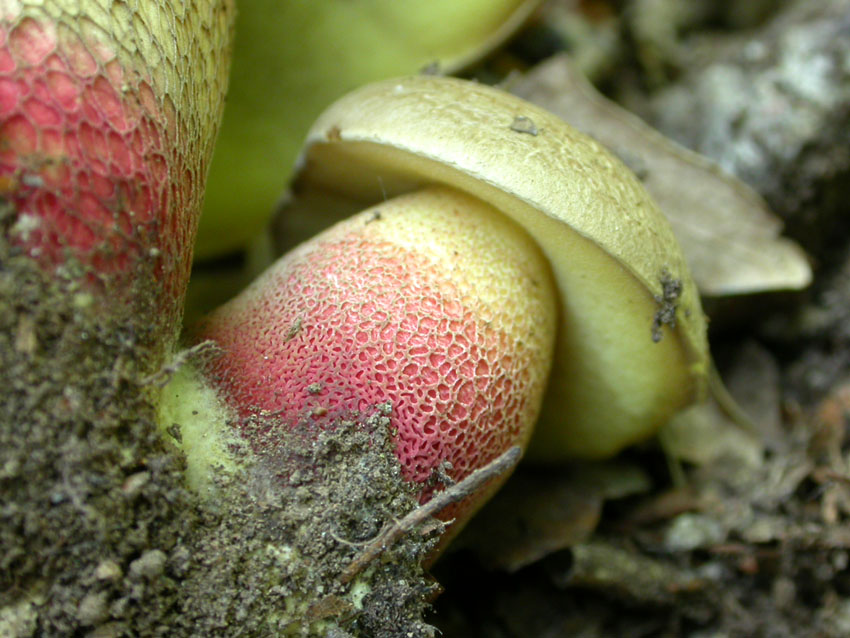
{"x":508,"y":271}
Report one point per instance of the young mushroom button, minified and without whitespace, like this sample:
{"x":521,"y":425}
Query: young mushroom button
{"x":631,"y":346}
{"x":432,"y":308}
{"x":504,"y":257}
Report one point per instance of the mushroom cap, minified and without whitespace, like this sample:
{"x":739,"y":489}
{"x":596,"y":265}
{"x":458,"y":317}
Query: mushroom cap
{"x":631,"y":347}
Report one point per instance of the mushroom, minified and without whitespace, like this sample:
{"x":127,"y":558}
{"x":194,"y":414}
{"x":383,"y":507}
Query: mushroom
{"x":511,"y":240}
{"x":106,"y":134}
{"x":432,"y":307}
{"x":631,"y":347}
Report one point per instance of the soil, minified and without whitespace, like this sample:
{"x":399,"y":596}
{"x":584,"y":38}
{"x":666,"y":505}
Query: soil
{"x":102,"y":538}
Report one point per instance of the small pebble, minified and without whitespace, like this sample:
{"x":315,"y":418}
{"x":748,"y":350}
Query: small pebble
{"x":108,"y":570}
{"x":149,"y":565}
{"x":93,"y":608}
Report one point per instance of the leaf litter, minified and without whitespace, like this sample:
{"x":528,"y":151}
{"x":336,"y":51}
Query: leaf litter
{"x":730,"y":238}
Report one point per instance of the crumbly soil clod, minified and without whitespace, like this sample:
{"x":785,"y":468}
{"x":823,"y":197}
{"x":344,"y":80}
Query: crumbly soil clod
{"x":668,"y":304}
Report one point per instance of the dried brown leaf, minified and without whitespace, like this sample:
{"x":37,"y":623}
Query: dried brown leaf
{"x":731,"y":239}
{"x":536,"y":514}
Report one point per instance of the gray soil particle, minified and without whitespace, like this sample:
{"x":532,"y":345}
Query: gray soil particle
{"x":150,"y":565}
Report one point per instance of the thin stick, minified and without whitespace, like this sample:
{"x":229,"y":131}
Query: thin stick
{"x":457,"y":492}
{"x":161,"y":377}
{"x":729,"y":406}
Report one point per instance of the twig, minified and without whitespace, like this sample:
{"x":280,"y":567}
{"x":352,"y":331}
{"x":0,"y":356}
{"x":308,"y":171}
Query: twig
{"x":457,"y":492}
{"x":826,"y":474}
{"x":161,"y":377}
{"x":729,"y":406}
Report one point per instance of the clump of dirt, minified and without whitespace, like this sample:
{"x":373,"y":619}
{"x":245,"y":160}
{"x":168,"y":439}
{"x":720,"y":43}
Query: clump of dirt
{"x":100,"y":535}
{"x":87,"y":486}
{"x":304,"y":508}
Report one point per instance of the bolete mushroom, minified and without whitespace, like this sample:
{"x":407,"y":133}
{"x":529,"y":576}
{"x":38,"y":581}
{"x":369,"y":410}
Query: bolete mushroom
{"x":631,"y":347}
{"x":497,"y":240}
{"x":363,"y":314}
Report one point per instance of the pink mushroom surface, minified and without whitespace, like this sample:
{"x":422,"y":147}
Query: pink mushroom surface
{"x":433,"y":302}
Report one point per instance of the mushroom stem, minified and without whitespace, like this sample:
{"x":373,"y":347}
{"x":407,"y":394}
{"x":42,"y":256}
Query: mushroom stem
{"x":108,"y":116}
